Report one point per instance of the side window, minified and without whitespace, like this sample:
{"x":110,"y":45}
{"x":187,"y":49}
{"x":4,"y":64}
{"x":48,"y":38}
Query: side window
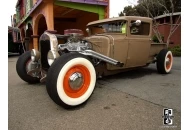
{"x":142,"y":29}
{"x":124,"y":27}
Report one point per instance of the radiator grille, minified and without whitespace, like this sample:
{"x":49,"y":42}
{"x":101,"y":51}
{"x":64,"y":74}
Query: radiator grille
{"x":44,"y":48}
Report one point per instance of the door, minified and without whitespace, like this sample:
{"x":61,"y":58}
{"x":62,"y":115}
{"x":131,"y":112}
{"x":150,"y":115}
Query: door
{"x":138,"y":45}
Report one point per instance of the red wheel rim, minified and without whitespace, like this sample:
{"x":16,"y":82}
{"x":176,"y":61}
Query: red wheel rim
{"x":85,"y":84}
{"x":168,"y":65}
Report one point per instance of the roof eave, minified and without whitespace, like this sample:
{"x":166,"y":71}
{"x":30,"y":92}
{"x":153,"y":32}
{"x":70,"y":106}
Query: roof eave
{"x":166,"y":15}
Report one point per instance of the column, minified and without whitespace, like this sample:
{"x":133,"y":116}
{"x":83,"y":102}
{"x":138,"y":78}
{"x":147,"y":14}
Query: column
{"x":50,"y":17}
{"x":35,"y":41}
{"x":27,"y":42}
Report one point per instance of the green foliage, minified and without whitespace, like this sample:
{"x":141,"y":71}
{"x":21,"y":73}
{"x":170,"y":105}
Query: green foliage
{"x":151,"y":8}
{"x":176,"y":51}
{"x":155,"y":39}
{"x":121,"y":14}
{"x":131,"y":11}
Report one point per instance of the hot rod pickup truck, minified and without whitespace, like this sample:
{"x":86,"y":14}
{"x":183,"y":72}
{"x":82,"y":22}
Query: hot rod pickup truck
{"x":71,"y":63}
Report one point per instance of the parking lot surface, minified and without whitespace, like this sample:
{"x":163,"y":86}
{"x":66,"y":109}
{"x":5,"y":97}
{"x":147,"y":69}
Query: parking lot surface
{"x":133,"y":100}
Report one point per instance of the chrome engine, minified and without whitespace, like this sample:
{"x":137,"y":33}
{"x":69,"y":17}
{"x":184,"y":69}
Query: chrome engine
{"x":49,"y":51}
{"x":75,"y":42}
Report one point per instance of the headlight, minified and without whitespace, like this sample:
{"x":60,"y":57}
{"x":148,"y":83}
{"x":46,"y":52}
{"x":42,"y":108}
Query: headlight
{"x":35,"y":55}
{"x":52,"y":55}
{"x":87,"y":30}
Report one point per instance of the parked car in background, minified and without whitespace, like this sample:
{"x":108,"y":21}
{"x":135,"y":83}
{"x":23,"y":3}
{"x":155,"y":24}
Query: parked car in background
{"x":14,"y":41}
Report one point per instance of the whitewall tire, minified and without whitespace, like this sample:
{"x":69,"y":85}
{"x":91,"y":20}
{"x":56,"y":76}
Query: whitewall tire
{"x":71,"y":80}
{"x":164,"y":61}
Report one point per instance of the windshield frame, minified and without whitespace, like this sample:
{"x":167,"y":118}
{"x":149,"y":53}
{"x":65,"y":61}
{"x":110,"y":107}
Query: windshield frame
{"x":115,"y":29}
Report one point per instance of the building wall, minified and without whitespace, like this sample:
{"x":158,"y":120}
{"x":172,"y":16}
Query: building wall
{"x":164,"y":29}
{"x":61,"y":26}
{"x":100,"y":10}
{"x":28,"y":5}
{"x":45,"y":9}
{"x":80,"y":23}
{"x":176,"y":37}
{"x":83,"y":21}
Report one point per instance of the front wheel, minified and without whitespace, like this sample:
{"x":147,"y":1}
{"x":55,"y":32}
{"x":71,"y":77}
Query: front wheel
{"x":164,"y":61}
{"x":71,"y":80}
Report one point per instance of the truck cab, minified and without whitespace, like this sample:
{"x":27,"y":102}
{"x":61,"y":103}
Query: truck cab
{"x":128,"y":39}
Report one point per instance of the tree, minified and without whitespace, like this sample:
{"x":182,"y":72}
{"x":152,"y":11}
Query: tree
{"x":141,"y":11}
{"x":130,"y":11}
{"x":176,"y":3}
{"x":154,"y":8}
{"x":121,"y":13}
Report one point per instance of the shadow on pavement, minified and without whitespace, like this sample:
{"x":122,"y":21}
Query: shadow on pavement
{"x":132,"y":74}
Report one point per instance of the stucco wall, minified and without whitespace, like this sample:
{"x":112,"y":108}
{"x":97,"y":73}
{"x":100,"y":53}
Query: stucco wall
{"x":80,"y":23}
{"x":175,"y":38}
{"x":164,"y":29}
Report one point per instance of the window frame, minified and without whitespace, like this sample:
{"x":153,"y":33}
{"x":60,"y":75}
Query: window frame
{"x":109,"y":32}
{"x":129,"y":29}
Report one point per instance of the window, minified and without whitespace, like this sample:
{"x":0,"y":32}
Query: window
{"x":176,"y":19}
{"x":167,"y":19}
{"x":18,"y":38}
{"x":142,"y":29}
{"x":161,"y":20}
{"x":111,"y":27}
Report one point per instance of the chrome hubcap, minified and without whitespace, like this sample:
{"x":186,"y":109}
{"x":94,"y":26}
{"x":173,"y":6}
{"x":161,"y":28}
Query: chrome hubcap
{"x":76,"y":80}
{"x":30,"y":67}
{"x":167,"y":61}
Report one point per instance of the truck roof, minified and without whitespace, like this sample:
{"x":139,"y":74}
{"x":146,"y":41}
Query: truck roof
{"x":145,"y":19}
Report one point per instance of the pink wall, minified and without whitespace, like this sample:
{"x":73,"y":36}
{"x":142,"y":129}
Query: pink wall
{"x":176,"y":36}
{"x":164,"y":29}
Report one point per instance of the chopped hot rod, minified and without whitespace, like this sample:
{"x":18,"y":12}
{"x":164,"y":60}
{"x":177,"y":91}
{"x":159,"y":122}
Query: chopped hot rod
{"x":71,"y":63}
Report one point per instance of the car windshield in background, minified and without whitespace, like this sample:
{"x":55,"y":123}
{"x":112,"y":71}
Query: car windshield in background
{"x":109,"y":27}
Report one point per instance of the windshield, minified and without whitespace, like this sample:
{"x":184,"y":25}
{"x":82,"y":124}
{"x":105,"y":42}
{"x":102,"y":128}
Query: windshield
{"x":109,"y":27}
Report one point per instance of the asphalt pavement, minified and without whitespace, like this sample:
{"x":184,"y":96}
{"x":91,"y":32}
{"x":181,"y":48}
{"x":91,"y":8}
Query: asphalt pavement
{"x":132,"y":100}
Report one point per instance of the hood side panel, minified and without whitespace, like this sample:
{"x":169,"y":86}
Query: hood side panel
{"x":100,"y":44}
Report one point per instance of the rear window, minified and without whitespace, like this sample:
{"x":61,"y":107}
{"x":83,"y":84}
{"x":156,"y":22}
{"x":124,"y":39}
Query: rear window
{"x":143,"y":29}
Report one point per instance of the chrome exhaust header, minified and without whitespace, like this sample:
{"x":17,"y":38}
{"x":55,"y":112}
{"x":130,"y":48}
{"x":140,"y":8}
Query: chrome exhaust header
{"x":102,"y":57}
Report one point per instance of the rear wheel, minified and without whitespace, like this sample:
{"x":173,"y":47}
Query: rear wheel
{"x":164,"y":61}
{"x":71,"y":80}
{"x":21,"y":50}
{"x":23,"y":65}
